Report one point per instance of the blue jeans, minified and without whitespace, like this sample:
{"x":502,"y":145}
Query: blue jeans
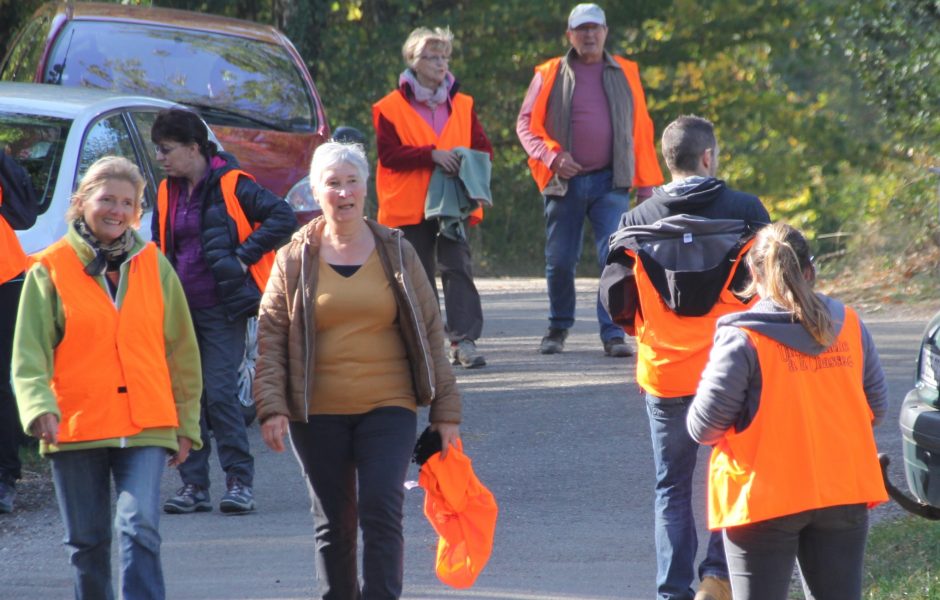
{"x":83,"y":488}
{"x":221,"y":348}
{"x":674,"y":454}
{"x":590,"y":196}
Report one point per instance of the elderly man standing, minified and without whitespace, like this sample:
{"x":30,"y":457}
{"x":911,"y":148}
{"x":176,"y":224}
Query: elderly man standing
{"x":589,"y":139}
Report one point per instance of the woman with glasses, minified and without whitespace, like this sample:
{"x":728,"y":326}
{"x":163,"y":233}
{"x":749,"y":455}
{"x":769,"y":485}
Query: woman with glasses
{"x":417,"y":127}
{"x":219,"y":229}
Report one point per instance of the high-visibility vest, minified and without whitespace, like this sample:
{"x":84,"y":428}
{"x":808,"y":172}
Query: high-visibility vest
{"x":13,"y":260}
{"x":261,"y":270}
{"x":646,"y":171}
{"x":810,"y":444}
{"x":672,"y":349}
{"x":110,"y":376}
{"x":402,"y":194}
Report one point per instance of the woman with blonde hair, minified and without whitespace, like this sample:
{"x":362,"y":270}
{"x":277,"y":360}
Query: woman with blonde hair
{"x":107,"y":377}
{"x":788,"y":399}
{"x":418,"y":126}
{"x":351,"y":343}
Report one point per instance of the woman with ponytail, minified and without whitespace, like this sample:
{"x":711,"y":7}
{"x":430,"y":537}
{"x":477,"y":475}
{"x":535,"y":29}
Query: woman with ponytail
{"x":788,"y":399}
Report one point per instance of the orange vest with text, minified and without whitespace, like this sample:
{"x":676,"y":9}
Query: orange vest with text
{"x":110,"y":376}
{"x":645,"y":164}
{"x":672,"y":350}
{"x":810,"y":444}
{"x":13,"y":260}
{"x":261,"y":270}
{"x":402,"y":194}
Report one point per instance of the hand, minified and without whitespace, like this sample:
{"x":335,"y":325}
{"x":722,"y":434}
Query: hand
{"x":564,"y":166}
{"x":45,"y":427}
{"x":182,"y":454}
{"x":273,"y":430}
{"x":447,"y":160}
{"x":449,"y":432}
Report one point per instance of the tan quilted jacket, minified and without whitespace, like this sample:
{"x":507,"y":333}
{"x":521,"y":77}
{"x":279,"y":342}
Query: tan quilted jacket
{"x":287,"y":328}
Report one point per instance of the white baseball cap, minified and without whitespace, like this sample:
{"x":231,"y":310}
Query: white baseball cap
{"x":586,"y":13}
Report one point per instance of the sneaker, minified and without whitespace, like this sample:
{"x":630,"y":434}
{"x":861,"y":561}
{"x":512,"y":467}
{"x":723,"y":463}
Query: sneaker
{"x":238,"y":499}
{"x":189,"y":498}
{"x":554,"y":341}
{"x":7,"y":495}
{"x":465,"y":354}
{"x":617,"y":347}
{"x":714,"y":588}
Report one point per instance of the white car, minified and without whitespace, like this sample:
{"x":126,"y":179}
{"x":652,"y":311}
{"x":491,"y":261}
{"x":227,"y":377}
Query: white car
{"x":56,"y":133}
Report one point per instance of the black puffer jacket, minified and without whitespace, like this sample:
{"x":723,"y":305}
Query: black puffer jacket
{"x":220,"y":246}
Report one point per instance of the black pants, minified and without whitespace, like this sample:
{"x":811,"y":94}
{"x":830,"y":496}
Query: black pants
{"x":10,"y":428}
{"x":337,"y":452}
{"x":829,"y":544}
{"x":461,"y":299}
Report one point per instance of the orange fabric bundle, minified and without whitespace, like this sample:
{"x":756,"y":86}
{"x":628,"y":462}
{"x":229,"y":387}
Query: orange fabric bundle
{"x":462,"y":512}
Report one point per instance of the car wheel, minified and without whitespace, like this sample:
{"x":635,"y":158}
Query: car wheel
{"x":246,"y":372}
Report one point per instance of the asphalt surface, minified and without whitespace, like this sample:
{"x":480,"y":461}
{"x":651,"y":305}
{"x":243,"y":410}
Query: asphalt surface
{"x":562,"y":441}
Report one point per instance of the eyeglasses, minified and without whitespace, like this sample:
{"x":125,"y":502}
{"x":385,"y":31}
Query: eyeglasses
{"x":435,"y":58}
{"x":164,"y":149}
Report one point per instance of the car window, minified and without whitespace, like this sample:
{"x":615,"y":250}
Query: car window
{"x":107,"y":136}
{"x":24,"y":57}
{"x":36,"y":143}
{"x":143,"y":121}
{"x":231,"y":80}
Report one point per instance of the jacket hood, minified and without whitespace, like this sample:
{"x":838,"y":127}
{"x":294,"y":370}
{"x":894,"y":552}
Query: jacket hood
{"x":689,"y":200}
{"x":770,"y":319}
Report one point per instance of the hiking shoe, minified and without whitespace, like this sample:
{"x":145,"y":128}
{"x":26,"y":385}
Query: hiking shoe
{"x":238,"y":499}
{"x":7,"y":495}
{"x":617,"y":347}
{"x":714,"y":588}
{"x":554,"y":341}
{"x":465,"y":354}
{"x":189,"y":498}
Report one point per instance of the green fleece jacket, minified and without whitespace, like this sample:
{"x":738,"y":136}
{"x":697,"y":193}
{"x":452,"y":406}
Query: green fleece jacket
{"x":40,"y":325}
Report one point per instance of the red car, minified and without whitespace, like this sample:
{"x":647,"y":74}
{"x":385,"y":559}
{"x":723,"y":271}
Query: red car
{"x":246,"y":80}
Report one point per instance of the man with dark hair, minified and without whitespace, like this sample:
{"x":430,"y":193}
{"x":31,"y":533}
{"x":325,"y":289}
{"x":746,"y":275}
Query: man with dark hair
{"x":691,"y":232}
{"x":589,"y":138}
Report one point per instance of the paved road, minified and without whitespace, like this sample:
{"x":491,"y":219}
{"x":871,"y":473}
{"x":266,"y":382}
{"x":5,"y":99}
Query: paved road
{"x":561,"y":440}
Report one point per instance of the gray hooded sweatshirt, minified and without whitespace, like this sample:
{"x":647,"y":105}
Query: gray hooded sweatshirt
{"x":729,"y":392}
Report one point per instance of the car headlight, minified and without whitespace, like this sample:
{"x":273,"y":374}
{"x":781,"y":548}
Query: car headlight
{"x":300,"y":197}
{"x":928,"y":369}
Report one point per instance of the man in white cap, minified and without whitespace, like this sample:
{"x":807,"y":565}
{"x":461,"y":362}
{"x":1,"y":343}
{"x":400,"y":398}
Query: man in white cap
{"x":589,"y":139}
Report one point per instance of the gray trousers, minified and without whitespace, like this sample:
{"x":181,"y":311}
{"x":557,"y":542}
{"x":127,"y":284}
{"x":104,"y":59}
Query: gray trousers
{"x":828,"y":542}
{"x":461,"y":298}
{"x":221,"y":348}
{"x":355,"y":466}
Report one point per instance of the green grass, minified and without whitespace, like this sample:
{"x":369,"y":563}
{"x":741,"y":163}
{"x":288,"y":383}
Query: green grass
{"x":903,"y":560}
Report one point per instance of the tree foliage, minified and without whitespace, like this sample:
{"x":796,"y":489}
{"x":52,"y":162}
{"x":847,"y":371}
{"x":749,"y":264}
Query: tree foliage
{"x":826,"y":109}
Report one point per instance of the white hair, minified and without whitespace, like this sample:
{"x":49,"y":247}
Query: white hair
{"x":421,"y":37}
{"x":330,"y":154}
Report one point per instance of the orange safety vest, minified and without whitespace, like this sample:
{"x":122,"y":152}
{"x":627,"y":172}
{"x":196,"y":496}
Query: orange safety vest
{"x":672,"y":350}
{"x":13,"y":260}
{"x":646,"y":171}
{"x":462,"y":512}
{"x":810,"y":444}
{"x":402,"y":194}
{"x":261,"y":270}
{"x":110,"y":376}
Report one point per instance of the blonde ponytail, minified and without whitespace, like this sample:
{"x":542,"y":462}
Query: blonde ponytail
{"x":777,"y":262}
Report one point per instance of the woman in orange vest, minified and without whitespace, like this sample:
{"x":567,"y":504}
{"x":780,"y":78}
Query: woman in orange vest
{"x":106,"y":372}
{"x":18,"y":210}
{"x":351,"y":343}
{"x":219,"y":229}
{"x":788,"y":399}
{"x":417,"y":128}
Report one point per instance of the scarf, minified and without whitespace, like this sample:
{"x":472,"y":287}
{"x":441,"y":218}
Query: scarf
{"x":108,"y":257}
{"x":431,"y":98}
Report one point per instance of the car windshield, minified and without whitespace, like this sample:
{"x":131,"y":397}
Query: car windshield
{"x":36,"y":144}
{"x":232,"y":80}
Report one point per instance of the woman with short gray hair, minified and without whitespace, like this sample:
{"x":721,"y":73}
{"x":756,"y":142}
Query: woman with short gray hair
{"x":351,"y":343}
{"x":418,"y":127}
